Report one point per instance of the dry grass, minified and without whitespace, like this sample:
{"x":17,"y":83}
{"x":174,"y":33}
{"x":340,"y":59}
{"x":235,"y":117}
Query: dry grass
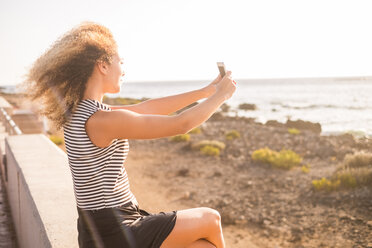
{"x":56,"y":139}
{"x":285,"y":159}
{"x":233,"y":134}
{"x":209,"y":147}
{"x":180,"y":138}
{"x":354,"y":171}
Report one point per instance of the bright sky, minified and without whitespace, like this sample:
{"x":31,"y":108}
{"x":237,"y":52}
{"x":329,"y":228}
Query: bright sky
{"x":182,"y":40}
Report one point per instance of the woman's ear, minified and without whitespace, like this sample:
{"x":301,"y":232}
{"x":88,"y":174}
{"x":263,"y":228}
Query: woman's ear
{"x":102,"y":67}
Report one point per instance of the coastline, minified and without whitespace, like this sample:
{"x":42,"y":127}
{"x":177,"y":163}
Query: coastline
{"x":276,"y":207}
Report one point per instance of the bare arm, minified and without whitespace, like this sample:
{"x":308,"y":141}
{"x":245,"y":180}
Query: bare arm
{"x":122,"y":123}
{"x":170,"y":104}
{"x":164,"y":105}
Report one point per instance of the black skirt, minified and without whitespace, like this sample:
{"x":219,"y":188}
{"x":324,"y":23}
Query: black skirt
{"x":126,"y":226}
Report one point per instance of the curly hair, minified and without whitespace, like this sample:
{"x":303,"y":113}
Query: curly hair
{"x":58,"y":77}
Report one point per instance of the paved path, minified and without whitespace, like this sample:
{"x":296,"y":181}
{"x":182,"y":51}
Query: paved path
{"x":7,"y":233}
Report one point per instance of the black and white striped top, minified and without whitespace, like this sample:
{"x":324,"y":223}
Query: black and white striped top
{"x":99,"y":176}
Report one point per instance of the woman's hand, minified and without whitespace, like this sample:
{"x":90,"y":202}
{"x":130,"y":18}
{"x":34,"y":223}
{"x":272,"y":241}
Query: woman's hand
{"x":211,"y":88}
{"x":226,"y":86}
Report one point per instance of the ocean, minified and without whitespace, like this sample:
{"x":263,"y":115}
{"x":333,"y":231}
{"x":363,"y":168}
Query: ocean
{"x":339,"y":104}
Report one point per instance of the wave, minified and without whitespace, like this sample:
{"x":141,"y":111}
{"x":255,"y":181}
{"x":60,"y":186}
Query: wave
{"x":320,"y":106}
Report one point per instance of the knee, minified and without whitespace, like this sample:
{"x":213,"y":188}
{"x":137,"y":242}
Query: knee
{"x":211,"y":216}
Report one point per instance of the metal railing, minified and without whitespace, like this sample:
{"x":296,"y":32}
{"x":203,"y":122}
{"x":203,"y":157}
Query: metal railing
{"x":10,"y":127}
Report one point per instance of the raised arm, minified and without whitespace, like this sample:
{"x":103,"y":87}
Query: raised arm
{"x":105,"y":126}
{"x":170,"y":104}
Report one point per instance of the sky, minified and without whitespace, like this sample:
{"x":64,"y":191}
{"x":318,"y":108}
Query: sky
{"x":183,"y":40}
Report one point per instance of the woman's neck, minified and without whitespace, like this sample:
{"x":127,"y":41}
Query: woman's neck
{"x":93,"y":90}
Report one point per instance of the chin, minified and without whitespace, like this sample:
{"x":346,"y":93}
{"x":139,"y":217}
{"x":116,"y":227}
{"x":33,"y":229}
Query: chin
{"x":117,"y":89}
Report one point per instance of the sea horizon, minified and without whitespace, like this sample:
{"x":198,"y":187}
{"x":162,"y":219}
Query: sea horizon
{"x":339,"y":104}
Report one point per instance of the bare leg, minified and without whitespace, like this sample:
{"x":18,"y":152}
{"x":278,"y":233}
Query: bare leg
{"x":194,"y":224}
{"x":201,"y":243}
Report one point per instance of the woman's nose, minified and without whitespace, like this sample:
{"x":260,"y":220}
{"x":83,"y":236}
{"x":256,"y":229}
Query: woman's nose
{"x":122,"y":70}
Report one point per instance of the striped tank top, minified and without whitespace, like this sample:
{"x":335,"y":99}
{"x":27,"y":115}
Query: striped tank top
{"x":98,"y":174}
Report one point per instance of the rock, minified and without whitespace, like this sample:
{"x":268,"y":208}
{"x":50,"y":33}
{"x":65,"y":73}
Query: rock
{"x":217,"y":116}
{"x":227,"y":218}
{"x":296,"y":234}
{"x":304,"y":125}
{"x":217,"y":174}
{"x":325,"y":151}
{"x":267,"y":222}
{"x":246,"y":184}
{"x":221,"y":203}
{"x":247,"y":106}
{"x":256,"y":218}
{"x":369,"y":223}
{"x":274,"y":123}
{"x":225,"y":108}
{"x":183,"y":172}
{"x":187,"y":195}
{"x":347,"y":139}
{"x":279,"y":229}
{"x":241,"y":220}
{"x":343,"y":215}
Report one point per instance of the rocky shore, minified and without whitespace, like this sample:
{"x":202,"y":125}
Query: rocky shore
{"x":279,"y":207}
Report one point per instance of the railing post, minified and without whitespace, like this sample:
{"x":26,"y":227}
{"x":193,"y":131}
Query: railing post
{"x":10,"y":126}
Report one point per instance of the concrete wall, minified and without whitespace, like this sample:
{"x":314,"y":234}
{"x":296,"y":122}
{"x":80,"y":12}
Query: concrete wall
{"x":40,"y":192}
{"x":3,"y":135}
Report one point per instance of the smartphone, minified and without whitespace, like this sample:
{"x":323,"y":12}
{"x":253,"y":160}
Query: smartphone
{"x":221,"y":67}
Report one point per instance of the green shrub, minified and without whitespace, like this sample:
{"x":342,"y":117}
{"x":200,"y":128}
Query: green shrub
{"x":285,"y":159}
{"x":293,"y":131}
{"x":196,"y":130}
{"x":215,"y":143}
{"x":210,"y":150}
{"x":233,"y":134}
{"x":56,"y":139}
{"x":264,"y":155}
{"x":363,"y":176}
{"x":305,"y":169}
{"x":347,"y":179}
{"x":341,"y":180}
{"x":354,"y":171}
{"x":180,"y":138}
{"x":325,"y":184}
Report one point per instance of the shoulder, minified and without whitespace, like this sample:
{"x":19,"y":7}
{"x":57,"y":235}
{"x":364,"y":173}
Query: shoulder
{"x":98,"y":123}
{"x":89,"y":107}
{"x":104,"y":117}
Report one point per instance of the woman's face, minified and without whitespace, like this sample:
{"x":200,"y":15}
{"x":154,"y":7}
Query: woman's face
{"x":114,"y":75}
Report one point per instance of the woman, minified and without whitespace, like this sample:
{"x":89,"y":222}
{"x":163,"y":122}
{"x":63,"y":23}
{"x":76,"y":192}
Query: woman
{"x":71,"y":78}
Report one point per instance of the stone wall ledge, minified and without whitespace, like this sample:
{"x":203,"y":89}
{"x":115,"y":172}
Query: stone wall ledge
{"x":40,"y":192}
